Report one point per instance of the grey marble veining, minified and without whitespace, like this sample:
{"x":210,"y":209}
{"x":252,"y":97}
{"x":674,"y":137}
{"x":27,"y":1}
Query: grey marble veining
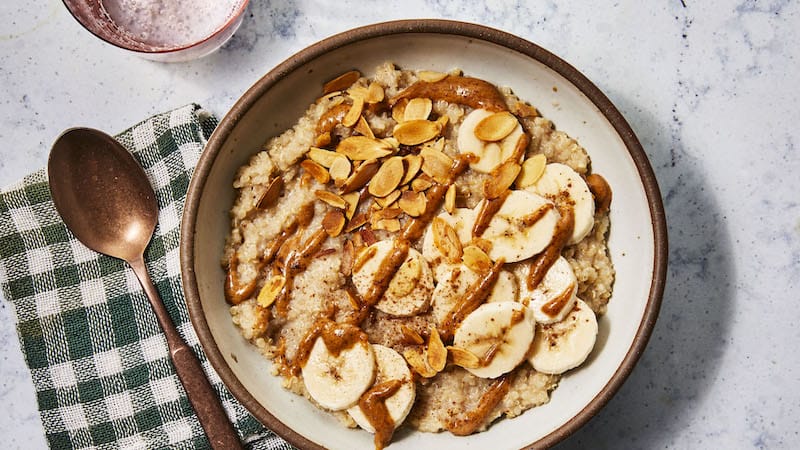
{"x":710,"y":88}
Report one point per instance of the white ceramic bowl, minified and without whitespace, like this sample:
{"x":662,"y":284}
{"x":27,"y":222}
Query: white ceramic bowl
{"x":637,"y":241}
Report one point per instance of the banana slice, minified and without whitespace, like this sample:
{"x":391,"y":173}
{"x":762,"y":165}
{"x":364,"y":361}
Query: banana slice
{"x":564,"y":345}
{"x":559,"y":178}
{"x":461,"y":220}
{"x":490,"y":154}
{"x":336,"y":382}
{"x":555,"y":296}
{"x":501,"y":332}
{"x":514,"y":233}
{"x":410,"y":290}
{"x":455,"y":280}
{"x":391,"y":366}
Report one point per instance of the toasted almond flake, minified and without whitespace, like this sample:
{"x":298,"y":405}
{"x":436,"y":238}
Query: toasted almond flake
{"x":412,"y":164}
{"x":415,"y":132}
{"x":368,"y":236}
{"x":388,"y":213}
{"x":431,"y":76}
{"x":348,"y":256}
{"x":483,"y":244}
{"x":399,"y":110}
{"x":375,"y":93}
{"x":496,"y":126}
{"x":354,"y":113}
{"x":323,"y":139}
{"x":352,"y":199}
{"x":392,"y":142}
{"x":390,"y":225}
{"x":385,"y":202}
{"x":363,"y":256}
{"x":272,"y":288}
{"x":357,"y":92}
{"x":357,"y":221}
{"x":446,"y":240}
{"x":352,"y":300}
{"x":418,"y":363}
{"x":413,"y":203}
{"x":331,"y":199}
{"x":341,"y":82}
{"x":532,"y":170}
{"x":387,"y":178}
{"x":437,"y":353}
{"x":333,"y":223}
{"x":340,"y":169}
{"x":271,"y":194}
{"x":362,"y":148}
{"x":363,"y":127}
{"x":442,"y":121}
{"x":328,"y":96}
{"x":501,"y":178}
{"x":463,"y":358}
{"x":437,"y":145}
{"x":450,"y":199}
{"x":421,"y":183}
{"x":436,"y":164}
{"x":418,"y":109}
{"x":315,"y":170}
{"x":360,"y":176}
{"x":410,"y":335}
{"x":322,"y":157}
{"x":476,"y":259}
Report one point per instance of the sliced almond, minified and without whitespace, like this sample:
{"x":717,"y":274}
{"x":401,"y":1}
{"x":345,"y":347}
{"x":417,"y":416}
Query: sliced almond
{"x":357,"y":221}
{"x":316,"y":170}
{"x":413,"y":203}
{"x":387,"y":178}
{"x":362,"y":148}
{"x":463,"y":358}
{"x":413,"y":164}
{"x":483,"y":244}
{"x":328,"y":96}
{"x":390,"y":225}
{"x":410,"y":335}
{"x":363,"y":256}
{"x":271,"y":195}
{"x":446,"y":240}
{"x":418,"y":363}
{"x":450,"y":199}
{"x":418,"y":109}
{"x":476,"y":259}
{"x":272,"y":288}
{"x":360,"y":176}
{"x":352,"y":199}
{"x":331,"y":199}
{"x":348,"y":256}
{"x":496,"y":126}
{"x":416,"y":132}
{"x":421,"y":183}
{"x":437,"y":353}
{"x":363,"y":127}
{"x":392,"y":142}
{"x":442,"y":121}
{"x":368,"y":236}
{"x":501,"y":179}
{"x":431,"y":76}
{"x":358,"y":92}
{"x":333,"y":223}
{"x":375,"y":93}
{"x":354,"y":113}
{"x":323,"y":139}
{"x":399,"y":110}
{"x":322,"y":157}
{"x":436,"y":164}
{"x":341,"y":82}
{"x":340,"y":169}
{"x":352,"y":300}
{"x":388,"y":213}
{"x":532,"y":170}
{"x":385,"y":202}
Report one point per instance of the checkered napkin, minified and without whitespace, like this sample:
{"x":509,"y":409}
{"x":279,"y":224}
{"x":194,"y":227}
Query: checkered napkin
{"x":99,"y":361}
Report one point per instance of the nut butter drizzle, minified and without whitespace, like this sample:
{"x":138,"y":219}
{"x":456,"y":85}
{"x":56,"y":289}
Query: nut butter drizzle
{"x":336,"y":336}
{"x":373,"y":405}
{"x":475,"y":296}
{"x":488,"y":209}
{"x":473,"y":92}
{"x":473,"y":419}
{"x":295,"y":263}
{"x":542,"y":262}
{"x":554,"y":306}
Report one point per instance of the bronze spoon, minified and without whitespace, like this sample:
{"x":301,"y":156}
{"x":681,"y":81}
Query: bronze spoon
{"x":105,"y":199}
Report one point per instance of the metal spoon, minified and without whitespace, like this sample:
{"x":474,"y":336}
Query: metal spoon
{"x":105,"y":199}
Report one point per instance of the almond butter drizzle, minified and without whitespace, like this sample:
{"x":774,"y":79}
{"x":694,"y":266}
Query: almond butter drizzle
{"x":473,"y":92}
{"x":542,"y":262}
{"x":336,"y":336}
{"x":296,"y":262}
{"x":488,"y":209}
{"x":554,"y":306}
{"x":474,"y":297}
{"x":332,"y":117}
{"x":373,"y":405}
{"x":473,"y":419}
{"x":234,"y":292}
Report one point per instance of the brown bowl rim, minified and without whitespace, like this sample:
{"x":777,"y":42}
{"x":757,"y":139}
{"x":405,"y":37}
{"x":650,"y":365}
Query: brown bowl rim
{"x":426,"y":26}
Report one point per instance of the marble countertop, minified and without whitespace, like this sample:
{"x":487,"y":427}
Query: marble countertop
{"x":709,"y":87}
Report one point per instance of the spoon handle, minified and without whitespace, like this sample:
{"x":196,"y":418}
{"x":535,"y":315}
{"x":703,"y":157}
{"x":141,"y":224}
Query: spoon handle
{"x":201,"y":394}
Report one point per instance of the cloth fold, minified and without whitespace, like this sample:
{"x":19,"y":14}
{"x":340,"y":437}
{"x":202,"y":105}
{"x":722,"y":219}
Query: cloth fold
{"x":99,"y":362}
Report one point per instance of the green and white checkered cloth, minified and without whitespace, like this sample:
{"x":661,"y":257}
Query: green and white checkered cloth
{"x":99,"y":361}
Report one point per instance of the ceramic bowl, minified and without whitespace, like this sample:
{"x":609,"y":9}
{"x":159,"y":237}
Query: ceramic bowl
{"x":637,"y":240}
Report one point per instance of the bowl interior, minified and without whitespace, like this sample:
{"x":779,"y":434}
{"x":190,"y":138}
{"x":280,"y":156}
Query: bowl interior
{"x":276,"y":102}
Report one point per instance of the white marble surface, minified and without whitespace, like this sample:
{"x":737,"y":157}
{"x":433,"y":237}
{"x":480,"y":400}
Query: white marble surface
{"x":709,"y":87}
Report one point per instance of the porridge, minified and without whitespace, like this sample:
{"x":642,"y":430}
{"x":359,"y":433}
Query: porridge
{"x":419,"y":249}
